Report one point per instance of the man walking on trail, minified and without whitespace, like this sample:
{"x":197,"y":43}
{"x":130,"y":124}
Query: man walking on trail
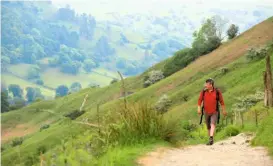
{"x":210,"y":97}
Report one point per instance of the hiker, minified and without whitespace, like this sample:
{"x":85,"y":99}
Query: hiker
{"x":210,"y":97}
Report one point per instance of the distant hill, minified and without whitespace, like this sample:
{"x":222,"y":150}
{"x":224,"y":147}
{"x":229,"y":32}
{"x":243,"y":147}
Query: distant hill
{"x":42,"y":43}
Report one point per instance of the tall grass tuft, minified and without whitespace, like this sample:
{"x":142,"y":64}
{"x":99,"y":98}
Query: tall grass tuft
{"x":139,"y":122}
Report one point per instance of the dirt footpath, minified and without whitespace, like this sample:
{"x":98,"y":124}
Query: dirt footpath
{"x":234,"y":151}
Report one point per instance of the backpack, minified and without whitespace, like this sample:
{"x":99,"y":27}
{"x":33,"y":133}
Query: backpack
{"x":217,"y":105}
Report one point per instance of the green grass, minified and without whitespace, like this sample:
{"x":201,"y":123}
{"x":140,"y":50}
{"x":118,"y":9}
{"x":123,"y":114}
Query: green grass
{"x":265,"y":134}
{"x":127,"y":155}
{"x":46,"y":138}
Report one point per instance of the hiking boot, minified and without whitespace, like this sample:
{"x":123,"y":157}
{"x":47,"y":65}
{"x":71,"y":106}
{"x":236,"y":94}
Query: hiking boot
{"x":210,"y":141}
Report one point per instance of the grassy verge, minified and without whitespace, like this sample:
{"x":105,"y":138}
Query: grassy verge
{"x":127,"y":155}
{"x":264,"y":136}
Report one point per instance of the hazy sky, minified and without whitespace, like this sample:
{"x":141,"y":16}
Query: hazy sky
{"x":101,"y":7}
{"x":193,"y":10}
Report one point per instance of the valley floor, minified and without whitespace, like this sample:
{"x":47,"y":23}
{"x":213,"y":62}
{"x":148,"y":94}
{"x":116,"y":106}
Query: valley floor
{"x":234,"y":151}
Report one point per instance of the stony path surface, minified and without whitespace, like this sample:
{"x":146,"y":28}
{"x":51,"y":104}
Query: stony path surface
{"x":234,"y":151}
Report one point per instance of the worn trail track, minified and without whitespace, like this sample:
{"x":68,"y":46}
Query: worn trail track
{"x":234,"y":151}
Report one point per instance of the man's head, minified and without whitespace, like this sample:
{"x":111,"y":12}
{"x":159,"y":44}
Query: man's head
{"x":209,"y":83}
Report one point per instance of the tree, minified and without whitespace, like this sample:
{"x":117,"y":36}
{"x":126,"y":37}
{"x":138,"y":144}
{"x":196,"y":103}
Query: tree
{"x":4,"y":86}
{"x":4,"y":102}
{"x":87,"y":26}
{"x":114,"y":80}
{"x":71,"y":67}
{"x":232,"y":31}
{"x":31,"y":94}
{"x":15,"y":90}
{"x":34,"y":72}
{"x":103,"y":49}
{"x":180,"y":60}
{"x":39,"y":82}
{"x":53,"y":62}
{"x":18,"y":103}
{"x":220,"y":24}
{"x":5,"y":61}
{"x":65,"y":14}
{"x":88,"y":64}
{"x":206,"y":39}
{"x":62,"y":90}
{"x":75,"y":87}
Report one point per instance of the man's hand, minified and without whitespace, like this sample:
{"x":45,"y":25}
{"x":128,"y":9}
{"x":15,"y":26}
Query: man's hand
{"x":199,"y":110}
{"x":224,"y":110}
{"x":224,"y":113}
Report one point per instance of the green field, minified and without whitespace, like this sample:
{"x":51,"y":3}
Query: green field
{"x":52,"y":78}
{"x":10,"y":79}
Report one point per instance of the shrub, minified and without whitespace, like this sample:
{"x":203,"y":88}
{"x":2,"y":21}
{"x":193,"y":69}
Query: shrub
{"x":189,"y":126}
{"x":45,"y":126}
{"x":114,"y":81}
{"x":147,"y":83}
{"x":224,"y":70}
{"x":4,"y":147}
{"x":163,"y":104}
{"x":38,"y":99}
{"x":33,"y":73}
{"x":41,"y":149}
{"x":73,"y":115}
{"x":231,"y":131}
{"x":256,"y":53}
{"x":153,"y":77}
{"x":31,"y":159}
{"x":62,"y":90}
{"x":185,"y":98}
{"x":40,"y":82}
{"x":17,"y":141}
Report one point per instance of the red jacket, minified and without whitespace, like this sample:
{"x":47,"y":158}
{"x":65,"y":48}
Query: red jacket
{"x":210,"y":101}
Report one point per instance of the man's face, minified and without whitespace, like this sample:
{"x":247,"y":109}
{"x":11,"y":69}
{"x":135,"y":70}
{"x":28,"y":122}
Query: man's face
{"x":208,"y":85}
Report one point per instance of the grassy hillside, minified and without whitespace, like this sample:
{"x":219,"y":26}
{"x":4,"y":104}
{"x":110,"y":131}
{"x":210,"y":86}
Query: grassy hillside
{"x":242,"y":78}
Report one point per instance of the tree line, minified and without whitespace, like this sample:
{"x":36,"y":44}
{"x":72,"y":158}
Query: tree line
{"x":208,"y":38}
{"x":13,"y":97}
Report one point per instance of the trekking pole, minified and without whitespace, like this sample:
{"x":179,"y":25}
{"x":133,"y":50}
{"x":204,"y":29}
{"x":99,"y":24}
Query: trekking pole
{"x":200,"y":123}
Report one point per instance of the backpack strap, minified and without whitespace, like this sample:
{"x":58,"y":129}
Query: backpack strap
{"x":217,"y":105}
{"x":203,"y":94}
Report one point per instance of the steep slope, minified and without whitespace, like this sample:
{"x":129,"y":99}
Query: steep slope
{"x":187,"y":81}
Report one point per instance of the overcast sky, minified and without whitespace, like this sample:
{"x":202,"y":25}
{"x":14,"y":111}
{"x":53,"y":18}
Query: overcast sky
{"x":99,"y":8}
{"x":138,"y":4}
